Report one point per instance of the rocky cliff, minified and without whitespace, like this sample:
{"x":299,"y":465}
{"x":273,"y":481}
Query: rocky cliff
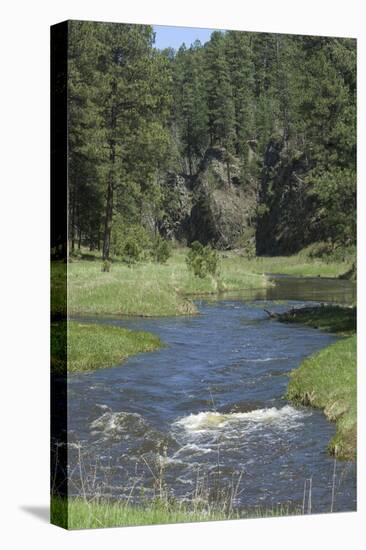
{"x":213,"y":207}
{"x":224,"y":202}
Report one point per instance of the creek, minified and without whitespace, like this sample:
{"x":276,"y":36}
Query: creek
{"x":205,"y":415}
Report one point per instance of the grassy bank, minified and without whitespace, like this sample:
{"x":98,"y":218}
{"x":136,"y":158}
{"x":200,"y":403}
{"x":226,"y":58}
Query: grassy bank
{"x":91,"y":346}
{"x":78,"y":513}
{"x":297,"y":265}
{"x":151,"y":289}
{"x":327,"y":379}
{"x":331,"y":318}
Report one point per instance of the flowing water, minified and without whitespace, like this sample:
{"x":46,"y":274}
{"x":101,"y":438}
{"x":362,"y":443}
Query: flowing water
{"x":206,"y":413}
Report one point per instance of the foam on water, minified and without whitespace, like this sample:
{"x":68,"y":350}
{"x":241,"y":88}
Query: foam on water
{"x":212,"y":420}
{"x":192,"y":448}
{"x":264,"y":360}
{"x":112,"y":424}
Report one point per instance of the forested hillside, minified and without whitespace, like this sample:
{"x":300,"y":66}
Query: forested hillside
{"x":247,"y":141}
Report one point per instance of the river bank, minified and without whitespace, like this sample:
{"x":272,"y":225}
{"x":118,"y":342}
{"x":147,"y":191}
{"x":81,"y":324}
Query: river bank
{"x":91,"y":346}
{"x":78,"y":513}
{"x":327,"y":379}
{"x":332,"y":318}
{"x":152,"y":289}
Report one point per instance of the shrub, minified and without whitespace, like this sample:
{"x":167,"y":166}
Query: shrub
{"x":343,"y":253}
{"x":318,"y":250}
{"x":262,"y":210}
{"x":330,"y":252}
{"x":106,"y":266}
{"x":131,"y":242}
{"x":132,"y":251}
{"x":160,"y":250}
{"x":246,"y":242}
{"x":202,"y":260}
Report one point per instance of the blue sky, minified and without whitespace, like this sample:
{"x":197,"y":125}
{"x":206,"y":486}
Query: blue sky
{"x":173,"y":37}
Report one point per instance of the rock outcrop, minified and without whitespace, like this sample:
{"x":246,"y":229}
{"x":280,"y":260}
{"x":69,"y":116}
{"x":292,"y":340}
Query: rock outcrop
{"x":213,"y":207}
{"x":175,"y":223}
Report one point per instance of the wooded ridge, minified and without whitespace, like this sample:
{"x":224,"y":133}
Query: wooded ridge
{"x":246,"y":141}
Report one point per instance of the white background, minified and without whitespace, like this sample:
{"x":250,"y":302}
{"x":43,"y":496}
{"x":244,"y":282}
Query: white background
{"x":24,"y":218}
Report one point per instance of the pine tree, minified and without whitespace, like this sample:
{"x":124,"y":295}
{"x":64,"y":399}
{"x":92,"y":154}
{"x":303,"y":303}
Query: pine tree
{"x":221,"y":109}
{"x":134,"y":112}
{"x":327,"y":106}
{"x":191,"y":104}
{"x":119,"y":95}
{"x":85,"y":134}
{"x":239,"y":58}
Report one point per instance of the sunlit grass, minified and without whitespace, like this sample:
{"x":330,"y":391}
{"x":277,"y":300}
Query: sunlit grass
{"x":327,"y":380}
{"x":152,"y":289}
{"x":297,"y":265}
{"x":78,"y":513}
{"x":148,"y":288}
{"x":91,"y":346}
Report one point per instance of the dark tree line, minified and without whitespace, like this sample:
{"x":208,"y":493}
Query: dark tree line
{"x":119,"y":94}
{"x":283,"y":106}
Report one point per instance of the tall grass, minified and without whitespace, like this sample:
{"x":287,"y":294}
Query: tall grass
{"x":77,"y":513}
{"x":151,"y":289}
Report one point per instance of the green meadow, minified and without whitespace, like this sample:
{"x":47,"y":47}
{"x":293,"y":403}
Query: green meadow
{"x":154,"y":289}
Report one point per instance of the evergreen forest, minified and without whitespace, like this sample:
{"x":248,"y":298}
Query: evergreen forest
{"x":246,"y":142}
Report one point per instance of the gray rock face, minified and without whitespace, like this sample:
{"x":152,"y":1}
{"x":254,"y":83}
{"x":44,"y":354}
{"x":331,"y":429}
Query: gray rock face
{"x":220,"y":216}
{"x":177,"y":207}
{"x":212,"y":207}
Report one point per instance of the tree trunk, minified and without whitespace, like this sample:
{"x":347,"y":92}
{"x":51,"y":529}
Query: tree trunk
{"x":189,"y":149}
{"x":73,"y":222}
{"x":228,"y":172}
{"x":110,"y":190}
{"x":108,"y":220}
{"x":190,"y":163}
{"x":79,"y":226}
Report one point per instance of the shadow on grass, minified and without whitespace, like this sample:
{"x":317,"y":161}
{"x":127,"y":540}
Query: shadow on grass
{"x":336,"y":319}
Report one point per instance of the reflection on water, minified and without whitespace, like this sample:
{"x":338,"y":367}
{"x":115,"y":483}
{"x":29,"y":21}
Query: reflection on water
{"x":285,"y":287}
{"x":211,"y":405}
{"x":312,"y":288}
